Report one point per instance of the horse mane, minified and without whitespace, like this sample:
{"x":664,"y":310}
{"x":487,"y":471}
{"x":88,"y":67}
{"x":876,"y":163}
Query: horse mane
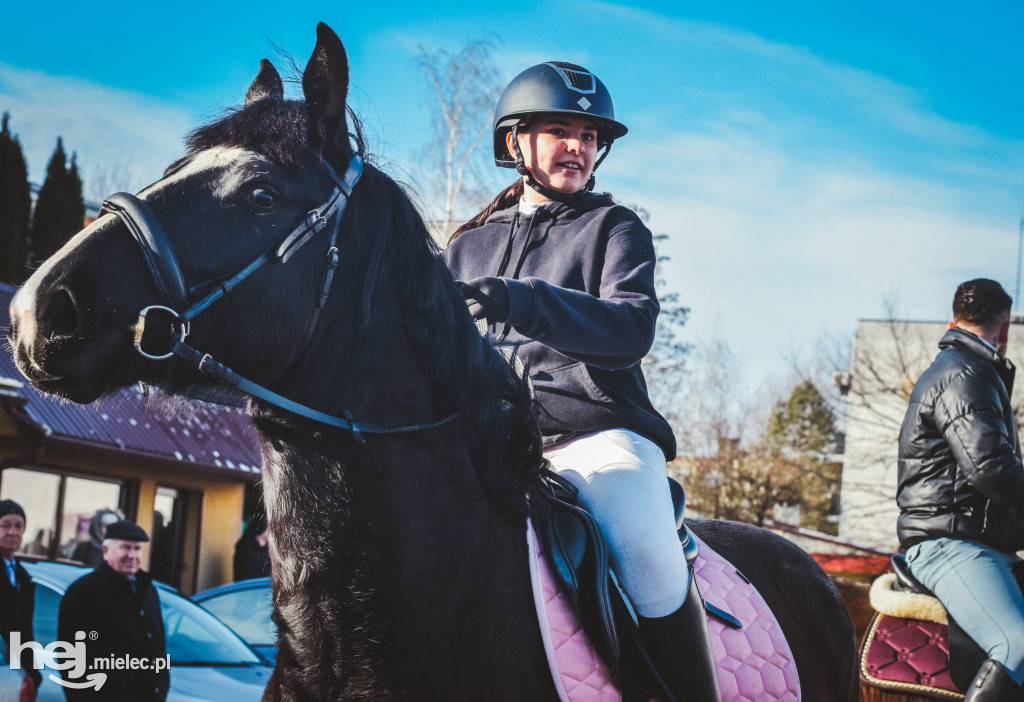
{"x":494,"y":400}
{"x":278,"y":129}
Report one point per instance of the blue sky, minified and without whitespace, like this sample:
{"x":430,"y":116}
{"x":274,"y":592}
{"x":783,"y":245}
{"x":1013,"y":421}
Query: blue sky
{"x":806,"y":159}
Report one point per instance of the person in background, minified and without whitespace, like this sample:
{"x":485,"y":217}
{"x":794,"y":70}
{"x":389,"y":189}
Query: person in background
{"x":17,"y":591}
{"x":961,"y":486}
{"x":252,"y":554}
{"x":90,"y":552}
{"x":119,"y":604}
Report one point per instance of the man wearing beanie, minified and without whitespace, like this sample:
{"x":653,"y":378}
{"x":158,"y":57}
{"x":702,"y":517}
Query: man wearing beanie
{"x":119,"y":603}
{"x":17,"y":591}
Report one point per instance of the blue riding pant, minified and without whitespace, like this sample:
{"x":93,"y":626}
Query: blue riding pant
{"x":622,"y":480}
{"x":977,"y":588}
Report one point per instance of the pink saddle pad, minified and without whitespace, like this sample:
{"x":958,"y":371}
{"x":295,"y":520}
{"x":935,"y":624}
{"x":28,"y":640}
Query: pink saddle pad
{"x":754,"y":664}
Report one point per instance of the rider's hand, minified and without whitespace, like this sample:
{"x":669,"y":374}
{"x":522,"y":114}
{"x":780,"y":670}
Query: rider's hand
{"x":486,"y":298}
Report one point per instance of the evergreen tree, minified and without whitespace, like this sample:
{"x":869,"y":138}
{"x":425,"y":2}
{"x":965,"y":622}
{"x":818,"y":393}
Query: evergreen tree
{"x":788,"y":466}
{"x":75,"y":197}
{"x":60,"y":209}
{"x":15,"y":207}
{"x":803,"y":425}
{"x":800,"y":432}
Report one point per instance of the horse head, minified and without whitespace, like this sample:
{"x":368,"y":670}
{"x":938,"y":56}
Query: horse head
{"x":266,"y":188}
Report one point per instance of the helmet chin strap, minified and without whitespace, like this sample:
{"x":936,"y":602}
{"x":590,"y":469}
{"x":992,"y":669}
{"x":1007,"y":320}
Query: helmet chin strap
{"x":547,"y":192}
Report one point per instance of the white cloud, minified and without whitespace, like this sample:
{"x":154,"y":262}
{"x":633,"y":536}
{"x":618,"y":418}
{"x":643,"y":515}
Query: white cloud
{"x":798,"y":192}
{"x":770,"y":249}
{"x":109,"y":129}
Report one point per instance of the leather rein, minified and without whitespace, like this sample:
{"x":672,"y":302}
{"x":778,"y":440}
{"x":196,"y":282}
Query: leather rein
{"x":166,"y":273}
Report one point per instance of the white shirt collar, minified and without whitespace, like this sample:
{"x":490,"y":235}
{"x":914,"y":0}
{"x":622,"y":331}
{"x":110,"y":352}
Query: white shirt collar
{"x":528,"y":208}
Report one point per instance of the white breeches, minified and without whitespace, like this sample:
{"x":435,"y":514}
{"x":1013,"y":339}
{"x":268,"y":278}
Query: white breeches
{"x":622,"y":480}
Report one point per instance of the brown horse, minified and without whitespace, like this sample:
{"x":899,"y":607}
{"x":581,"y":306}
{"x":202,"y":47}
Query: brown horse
{"x":398,"y":447}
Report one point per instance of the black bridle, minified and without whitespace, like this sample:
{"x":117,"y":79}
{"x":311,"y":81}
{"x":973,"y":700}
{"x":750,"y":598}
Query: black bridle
{"x":166,"y":273}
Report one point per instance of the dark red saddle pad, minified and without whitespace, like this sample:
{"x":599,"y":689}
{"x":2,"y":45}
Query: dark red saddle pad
{"x":909,"y":656}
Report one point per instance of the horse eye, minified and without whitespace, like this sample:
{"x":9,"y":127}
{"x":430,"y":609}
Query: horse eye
{"x":261,"y":198}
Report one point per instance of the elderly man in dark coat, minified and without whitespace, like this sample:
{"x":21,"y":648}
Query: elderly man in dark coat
{"x":17,"y":591}
{"x":119,"y":603}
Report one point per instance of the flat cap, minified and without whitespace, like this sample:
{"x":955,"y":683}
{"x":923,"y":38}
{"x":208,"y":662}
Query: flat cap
{"x":11,"y":507}
{"x":126,"y":531}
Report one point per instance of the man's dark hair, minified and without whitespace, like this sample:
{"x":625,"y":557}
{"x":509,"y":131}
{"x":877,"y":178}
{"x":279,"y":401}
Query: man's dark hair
{"x":980,"y":302}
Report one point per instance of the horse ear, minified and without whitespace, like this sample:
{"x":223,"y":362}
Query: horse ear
{"x":325,"y":84}
{"x":266,"y":85}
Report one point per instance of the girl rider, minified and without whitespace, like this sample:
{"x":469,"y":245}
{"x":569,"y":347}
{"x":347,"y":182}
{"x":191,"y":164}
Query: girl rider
{"x":566,"y":276}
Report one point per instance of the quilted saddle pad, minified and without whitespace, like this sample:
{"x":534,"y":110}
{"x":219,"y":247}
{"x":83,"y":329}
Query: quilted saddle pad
{"x":909,"y":656}
{"x":754,"y":664}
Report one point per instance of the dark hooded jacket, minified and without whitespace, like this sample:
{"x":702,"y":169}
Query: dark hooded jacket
{"x":582,"y":311}
{"x":960,"y":470}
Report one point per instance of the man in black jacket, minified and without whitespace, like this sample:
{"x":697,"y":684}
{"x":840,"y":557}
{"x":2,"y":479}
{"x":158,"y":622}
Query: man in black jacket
{"x":17,"y":591}
{"x":117,"y":608}
{"x":961,"y":486}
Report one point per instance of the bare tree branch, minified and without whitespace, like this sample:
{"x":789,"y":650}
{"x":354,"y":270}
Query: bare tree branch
{"x":463,"y":89}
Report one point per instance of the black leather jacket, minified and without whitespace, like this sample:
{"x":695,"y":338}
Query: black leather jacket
{"x":960,"y":470}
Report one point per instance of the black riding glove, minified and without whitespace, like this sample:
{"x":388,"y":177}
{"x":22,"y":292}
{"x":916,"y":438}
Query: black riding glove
{"x":486,"y":298}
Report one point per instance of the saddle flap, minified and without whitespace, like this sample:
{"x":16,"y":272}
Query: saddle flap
{"x":578,"y":555}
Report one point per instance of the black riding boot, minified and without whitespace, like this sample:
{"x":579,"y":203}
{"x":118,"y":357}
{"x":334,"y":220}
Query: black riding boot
{"x":993,"y":684}
{"x":680,"y":647}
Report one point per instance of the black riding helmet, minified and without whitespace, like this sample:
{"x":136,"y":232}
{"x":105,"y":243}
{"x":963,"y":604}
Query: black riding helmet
{"x":554,"y":87}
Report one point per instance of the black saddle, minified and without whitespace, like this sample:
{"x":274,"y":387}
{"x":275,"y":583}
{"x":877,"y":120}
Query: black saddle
{"x":578,"y":556}
{"x":965,"y":656}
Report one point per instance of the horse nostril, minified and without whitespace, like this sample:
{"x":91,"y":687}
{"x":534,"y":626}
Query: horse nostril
{"x":61,"y":318}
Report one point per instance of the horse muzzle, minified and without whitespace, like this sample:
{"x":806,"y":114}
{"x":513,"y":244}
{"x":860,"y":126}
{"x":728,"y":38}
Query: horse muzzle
{"x":51,"y":346}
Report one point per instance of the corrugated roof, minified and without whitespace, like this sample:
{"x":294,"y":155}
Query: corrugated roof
{"x":202,"y":433}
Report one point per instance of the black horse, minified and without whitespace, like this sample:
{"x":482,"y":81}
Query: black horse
{"x":396,"y":470}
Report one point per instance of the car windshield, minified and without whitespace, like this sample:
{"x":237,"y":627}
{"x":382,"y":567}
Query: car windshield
{"x":247,"y":612}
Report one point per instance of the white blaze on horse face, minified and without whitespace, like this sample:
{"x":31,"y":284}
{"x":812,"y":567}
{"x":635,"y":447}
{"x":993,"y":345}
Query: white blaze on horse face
{"x":24,"y":303}
{"x":225,"y":158}
{"x":234,"y":164}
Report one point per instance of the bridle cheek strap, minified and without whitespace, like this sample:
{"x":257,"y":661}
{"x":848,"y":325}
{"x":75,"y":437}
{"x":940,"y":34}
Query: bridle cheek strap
{"x":163,"y":266}
{"x":156,"y":248}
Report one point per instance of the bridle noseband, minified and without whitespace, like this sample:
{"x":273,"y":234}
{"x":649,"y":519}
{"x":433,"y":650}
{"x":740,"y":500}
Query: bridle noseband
{"x":166,"y":273}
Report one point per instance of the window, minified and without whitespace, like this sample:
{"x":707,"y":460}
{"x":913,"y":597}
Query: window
{"x":89,"y":505}
{"x":38,"y":494}
{"x":167,"y":551}
{"x":64,"y":513}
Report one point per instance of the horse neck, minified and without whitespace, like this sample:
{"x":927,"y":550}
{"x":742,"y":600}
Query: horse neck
{"x":382,"y":500}
{"x":378,"y":545}
{"x":397,"y":539}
